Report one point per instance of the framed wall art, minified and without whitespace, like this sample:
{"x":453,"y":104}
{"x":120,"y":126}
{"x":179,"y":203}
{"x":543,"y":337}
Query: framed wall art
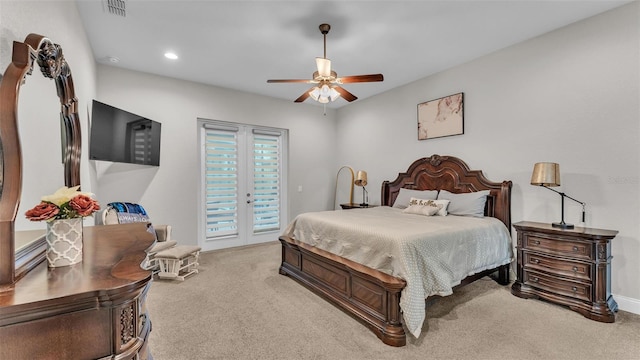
{"x":441,"y":117}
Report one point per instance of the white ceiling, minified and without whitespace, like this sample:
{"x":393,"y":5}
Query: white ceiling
{"x":241,"y":44}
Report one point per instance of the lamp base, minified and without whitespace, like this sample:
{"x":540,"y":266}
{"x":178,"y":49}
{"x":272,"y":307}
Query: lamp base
{"x":562,"y":225}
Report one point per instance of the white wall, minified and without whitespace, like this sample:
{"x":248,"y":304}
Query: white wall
{"x":570,"y":96}
{"x":170,"y":192}
{"x":39,"y":105}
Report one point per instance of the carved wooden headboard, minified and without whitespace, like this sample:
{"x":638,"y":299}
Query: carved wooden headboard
{"x":452,"y":174}
{"x":35,"y":48}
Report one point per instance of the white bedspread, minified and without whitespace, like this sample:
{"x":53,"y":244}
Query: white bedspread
{"x":431,"y":253}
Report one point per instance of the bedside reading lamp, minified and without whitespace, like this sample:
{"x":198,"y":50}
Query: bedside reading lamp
{"x":361,"y":180}
{"x":335,"y":193}
{"x":547,"y":174}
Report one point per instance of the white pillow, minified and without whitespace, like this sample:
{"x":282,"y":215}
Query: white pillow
{"x":440,"y":205}
{"x":465,"y":204}
{"x":405,"y":195}
{"x":428,"y":210}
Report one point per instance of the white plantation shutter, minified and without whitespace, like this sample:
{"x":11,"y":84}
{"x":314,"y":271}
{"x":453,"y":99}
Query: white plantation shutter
{"x":242,"y":196}
{"x":267,"y":155}
{"x":221,"y":181}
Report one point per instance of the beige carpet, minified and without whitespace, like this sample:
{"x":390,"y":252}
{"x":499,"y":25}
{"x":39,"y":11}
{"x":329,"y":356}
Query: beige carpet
{"x":239,"y":307}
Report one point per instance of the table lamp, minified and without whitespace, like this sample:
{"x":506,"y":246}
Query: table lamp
{"x":547,"y":174}
{"x":361,"y":180}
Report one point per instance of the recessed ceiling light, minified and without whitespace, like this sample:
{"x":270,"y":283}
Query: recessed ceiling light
{"x":113,"y":59}
{"x":170,"y":55}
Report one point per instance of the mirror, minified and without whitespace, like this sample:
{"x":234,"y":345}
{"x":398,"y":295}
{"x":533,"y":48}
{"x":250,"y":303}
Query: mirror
{"x":50,"y":59}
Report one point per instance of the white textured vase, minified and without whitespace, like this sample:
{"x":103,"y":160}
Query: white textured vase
{"x":64,"y":242}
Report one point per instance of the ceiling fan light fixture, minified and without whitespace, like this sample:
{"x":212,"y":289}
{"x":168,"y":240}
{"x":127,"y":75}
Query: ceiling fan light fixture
{"x":315,"y":93}
{"x":334,"y":95}
{"x":324,"y":67}
{"x":324,"y":94}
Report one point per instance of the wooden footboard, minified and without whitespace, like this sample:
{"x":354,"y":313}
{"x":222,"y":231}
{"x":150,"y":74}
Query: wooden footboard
{"x":370,"y":296}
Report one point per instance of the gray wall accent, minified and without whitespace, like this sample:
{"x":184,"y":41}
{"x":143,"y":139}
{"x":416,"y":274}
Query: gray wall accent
{"x":570,"y":96}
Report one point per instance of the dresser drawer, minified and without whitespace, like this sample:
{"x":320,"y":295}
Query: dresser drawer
{"x":573,"y":269}
{"x":568,"y":288}
{"x":558,"y":246}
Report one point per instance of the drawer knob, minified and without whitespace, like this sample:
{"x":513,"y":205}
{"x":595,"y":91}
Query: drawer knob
{"x":575,"y":248}
{"x":535,"y":261}
{"x":535,"y":279}
{"x":537,"y":242}
{"x":575,"y":269}
{"x":574,"y":289}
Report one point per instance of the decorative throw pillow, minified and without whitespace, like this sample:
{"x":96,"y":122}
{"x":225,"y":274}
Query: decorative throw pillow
{"x":444,"y":210}
{"x":402,"y":201}
{"x":427,"y":210}
{"x":440,"y":204}
{"x":465,"y":204}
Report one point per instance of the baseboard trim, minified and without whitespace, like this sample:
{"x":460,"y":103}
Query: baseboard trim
{"x":628,"y":304}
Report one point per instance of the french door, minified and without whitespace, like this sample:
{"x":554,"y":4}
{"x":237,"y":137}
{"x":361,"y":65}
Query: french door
{"x":243,"y":184}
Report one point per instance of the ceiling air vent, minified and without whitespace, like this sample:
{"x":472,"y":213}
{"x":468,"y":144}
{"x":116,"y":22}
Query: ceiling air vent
{"x":116,"y":7}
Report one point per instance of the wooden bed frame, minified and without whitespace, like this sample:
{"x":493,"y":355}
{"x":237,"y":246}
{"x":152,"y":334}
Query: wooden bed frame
{"x":371,"y":296}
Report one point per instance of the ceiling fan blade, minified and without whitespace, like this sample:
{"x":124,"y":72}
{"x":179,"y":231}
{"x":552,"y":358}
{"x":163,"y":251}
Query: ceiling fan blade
{"x":307,"y":81}
{"x":359,"y":78}
{"x":304,"y":95}
{"x":345,"y":94}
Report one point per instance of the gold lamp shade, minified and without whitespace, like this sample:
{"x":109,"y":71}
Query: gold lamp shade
{"x":361,"y":178}
{"x":546,"y":174}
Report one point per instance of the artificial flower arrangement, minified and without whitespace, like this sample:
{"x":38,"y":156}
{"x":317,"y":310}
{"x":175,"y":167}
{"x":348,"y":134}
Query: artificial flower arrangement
{"x":65,"y":203}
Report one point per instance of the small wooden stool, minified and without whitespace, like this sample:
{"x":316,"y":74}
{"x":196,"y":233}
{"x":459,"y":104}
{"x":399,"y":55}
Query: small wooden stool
{"x":178,"y":262}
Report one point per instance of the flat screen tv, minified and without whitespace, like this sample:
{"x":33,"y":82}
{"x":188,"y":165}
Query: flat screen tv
{"x":120,"y":136}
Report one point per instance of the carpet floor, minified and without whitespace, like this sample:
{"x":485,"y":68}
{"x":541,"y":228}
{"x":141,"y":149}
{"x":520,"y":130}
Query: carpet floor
{"x":240,"y":307}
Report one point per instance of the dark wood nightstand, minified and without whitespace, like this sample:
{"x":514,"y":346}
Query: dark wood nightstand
{"x":356,"y":206}
{"x":570,"y":267}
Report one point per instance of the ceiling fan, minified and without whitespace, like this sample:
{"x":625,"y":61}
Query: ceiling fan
{"x":327,"y":82}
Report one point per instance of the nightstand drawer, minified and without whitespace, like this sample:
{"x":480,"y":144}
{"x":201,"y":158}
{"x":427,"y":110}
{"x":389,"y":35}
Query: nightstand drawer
{"x":561,"y":267}
{"x":571,"y":289}
{"x":558,"y":246}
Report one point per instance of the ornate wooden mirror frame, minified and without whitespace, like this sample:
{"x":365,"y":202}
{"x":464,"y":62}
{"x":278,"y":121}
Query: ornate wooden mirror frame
{"x":53,"y":65}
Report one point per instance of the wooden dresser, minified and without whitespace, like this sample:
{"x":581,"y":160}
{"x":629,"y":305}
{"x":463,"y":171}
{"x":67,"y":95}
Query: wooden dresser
{"x":571,"y":267}
{"x":91,"y":310}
